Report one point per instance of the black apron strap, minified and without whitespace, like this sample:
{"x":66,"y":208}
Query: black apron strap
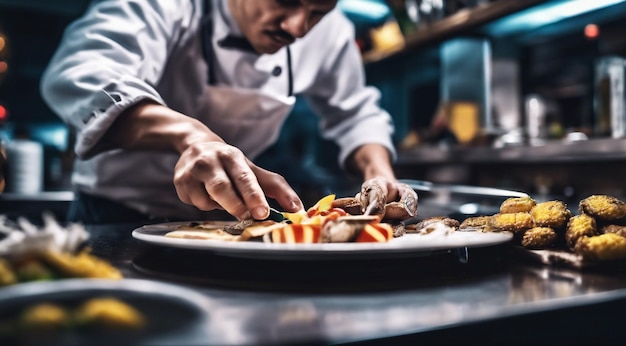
{"x":206,"y":27}
{"x":289,"y":73}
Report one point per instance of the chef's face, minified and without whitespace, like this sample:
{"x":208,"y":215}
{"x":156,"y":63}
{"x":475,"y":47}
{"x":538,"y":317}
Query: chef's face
{"x":272,"y":24}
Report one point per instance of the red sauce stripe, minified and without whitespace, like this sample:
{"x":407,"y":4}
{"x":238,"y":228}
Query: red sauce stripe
{"x":377,"y":233}
{"x":297,"y":233}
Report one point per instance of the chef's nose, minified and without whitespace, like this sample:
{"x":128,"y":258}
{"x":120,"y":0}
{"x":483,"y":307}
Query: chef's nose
{"x":296,"y":23}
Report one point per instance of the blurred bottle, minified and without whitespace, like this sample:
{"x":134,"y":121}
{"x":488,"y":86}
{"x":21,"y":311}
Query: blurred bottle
{"x":405,"y":15}
{"x":413,"y":14}
{"x":24,"y":166}
{"x":3,"y":165}
{"x":610,"y":114}
{"x":535,"y":109}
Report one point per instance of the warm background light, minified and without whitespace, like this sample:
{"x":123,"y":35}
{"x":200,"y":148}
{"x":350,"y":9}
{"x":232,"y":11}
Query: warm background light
{"x":2,"y":42}
{"x":3,"y":67}
{"x":3,"y":113}
{"x":592,"y":31}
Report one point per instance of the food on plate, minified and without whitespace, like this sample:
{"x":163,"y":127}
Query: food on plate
{"x":7,"y":275}
{"x":579,"y":226}
{"x":603,"y":207}
{"x":109,"y":312}
{"x":374,"y":197}
{"x":196,"y":232}
{"x":517,"y":205}
{"x":398,"y":229}
{"x":355,"y":228}
{"x":45,"y":317}
{"x":56,"y":322}
{"x":296,"y":233}
{"x":511,"y":222}
{"x":324,"y":222}
{"x":239,"y":227}
{"x":350,"y":205}
{"x":434,"y":224}
{"x":80,"y":265}
{"x":602,"y":247}
{"x":395,"y":211}
{"x":617,"y":229}
{"x":375,"y":233}
{"x":553,"y":214}
{"x":476,"y":223}
{"x":598,"y":233}
{"x":33,"y":253}
{"x":539,"y":238}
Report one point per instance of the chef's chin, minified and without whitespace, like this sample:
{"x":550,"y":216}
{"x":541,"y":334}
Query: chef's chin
{"x":268,"y":49}
{"x":270,"y":44}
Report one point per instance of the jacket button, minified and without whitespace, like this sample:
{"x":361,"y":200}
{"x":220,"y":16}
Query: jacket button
{"x":277,"y":71}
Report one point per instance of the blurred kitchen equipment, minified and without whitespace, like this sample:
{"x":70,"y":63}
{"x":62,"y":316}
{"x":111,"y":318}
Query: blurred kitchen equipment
{"x":458,"y":201}
{"x":610,"y":97}
{"x":505,"y":93}
{"x":536,"y":109}
{"x":424,"y":12}
{"x":465,"y":77}
{"x":24,"y":166}
{"x":427,"y":186}
{"x":413,"y":14}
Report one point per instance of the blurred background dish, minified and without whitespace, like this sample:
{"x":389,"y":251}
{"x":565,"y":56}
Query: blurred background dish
{"x":171,"y":314}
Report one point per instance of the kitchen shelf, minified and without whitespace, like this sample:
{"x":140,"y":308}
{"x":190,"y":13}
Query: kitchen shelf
{"x":459,"y":23}
{"x":43,"y":196}
{"x":593,"y":150}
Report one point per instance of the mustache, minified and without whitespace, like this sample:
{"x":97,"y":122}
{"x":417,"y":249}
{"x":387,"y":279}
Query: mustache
{"x":283,"y":34}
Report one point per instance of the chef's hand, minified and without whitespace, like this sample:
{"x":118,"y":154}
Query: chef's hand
{"x":215,"y":175}
{"x":377,"y":192}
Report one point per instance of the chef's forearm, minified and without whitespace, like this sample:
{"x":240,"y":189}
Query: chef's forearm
{"x":148,"y":125}
{"x":372,"y":160}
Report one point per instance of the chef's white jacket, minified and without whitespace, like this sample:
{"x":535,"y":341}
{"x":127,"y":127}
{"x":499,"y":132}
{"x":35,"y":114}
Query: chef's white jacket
{"x":123,"y":51}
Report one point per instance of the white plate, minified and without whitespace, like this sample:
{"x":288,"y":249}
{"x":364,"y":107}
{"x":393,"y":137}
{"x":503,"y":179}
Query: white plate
{"x":173,"y":313}
{"x":408,"y":244}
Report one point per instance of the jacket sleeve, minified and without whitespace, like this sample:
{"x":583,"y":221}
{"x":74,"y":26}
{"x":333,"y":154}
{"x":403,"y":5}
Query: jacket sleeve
{"x":109,"y":59}
{"x":349,"y":109}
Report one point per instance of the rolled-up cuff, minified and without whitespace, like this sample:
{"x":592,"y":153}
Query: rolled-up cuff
{"x":106,"y":107}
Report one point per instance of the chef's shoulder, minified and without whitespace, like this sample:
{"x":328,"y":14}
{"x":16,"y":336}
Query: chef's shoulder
{"x":332,"y":32}
{"x":155,"y":12}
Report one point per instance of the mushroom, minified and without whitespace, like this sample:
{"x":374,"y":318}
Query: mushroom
{"x":434,"y":224}
{"x":345,"y":228}
{"x":350,"y":205}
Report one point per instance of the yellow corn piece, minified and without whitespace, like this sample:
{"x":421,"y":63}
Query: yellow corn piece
{"x":325,"y":203}
{"x":297,"y":217}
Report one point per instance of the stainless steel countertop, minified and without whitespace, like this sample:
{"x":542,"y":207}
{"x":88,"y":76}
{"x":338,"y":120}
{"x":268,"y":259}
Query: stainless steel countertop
{"x":493,"y":297}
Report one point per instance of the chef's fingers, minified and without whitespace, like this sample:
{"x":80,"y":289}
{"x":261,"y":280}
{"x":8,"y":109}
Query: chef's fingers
{"x":201,"y":181}
{"x":212,"y":174}
{"x":190,"y":188}
{"x":373,"y":196}
{"x":277,"y":188}
{"x":246,"y":187}
{"x":408,"y":198}
{"x":405,"y":190}
{"x":221,"y":189}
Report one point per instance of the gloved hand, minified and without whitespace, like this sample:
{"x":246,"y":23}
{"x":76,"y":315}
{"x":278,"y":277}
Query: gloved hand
{"x":388,"y":198}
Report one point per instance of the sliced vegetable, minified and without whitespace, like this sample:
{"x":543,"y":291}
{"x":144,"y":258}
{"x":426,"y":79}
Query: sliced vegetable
{"x":375,"y":233}
{"x":324,"y":204}
{"x":296,"y":217}
{"x":297,"y":233}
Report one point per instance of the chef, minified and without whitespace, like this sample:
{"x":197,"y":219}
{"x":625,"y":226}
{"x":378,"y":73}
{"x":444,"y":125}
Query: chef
{"x":172,"y":100}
